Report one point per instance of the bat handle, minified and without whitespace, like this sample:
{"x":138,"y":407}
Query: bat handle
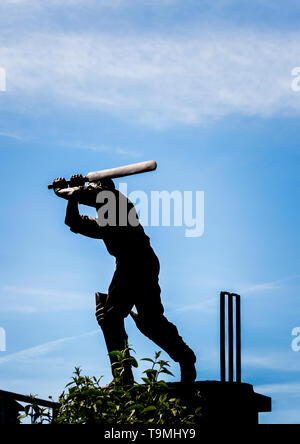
{"x":50,"y":186}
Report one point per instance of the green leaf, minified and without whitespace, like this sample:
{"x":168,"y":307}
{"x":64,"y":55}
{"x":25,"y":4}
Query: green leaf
{"x":157,"y":354}
{"x":116,"y":353}
{"x":22,"y":416}
{"x":164,"y":363}
{"x":150,"y":408}
{"x":139,"y":406}
{"x":132,"y":361}
{"x":150,"y":371}
{"x":167,"y":372}
{"x":147,"y":359}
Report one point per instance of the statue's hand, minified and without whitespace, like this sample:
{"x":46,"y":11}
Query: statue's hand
{"x":77,"y":180}
{"x":61,"y":189}
{"x":58,"y":184}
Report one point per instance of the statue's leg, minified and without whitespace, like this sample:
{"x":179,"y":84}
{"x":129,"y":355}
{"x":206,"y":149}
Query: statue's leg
{"x":111,"y":310}
{"x":165,"y":334}
{"x":151,"y":321}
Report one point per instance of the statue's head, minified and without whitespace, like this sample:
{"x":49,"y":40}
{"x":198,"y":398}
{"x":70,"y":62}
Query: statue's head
{"x":106,"y":183}
{"x":93,"y":189}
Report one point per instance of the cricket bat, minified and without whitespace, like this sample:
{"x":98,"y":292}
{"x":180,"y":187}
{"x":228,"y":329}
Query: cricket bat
{"x":122,"y":171}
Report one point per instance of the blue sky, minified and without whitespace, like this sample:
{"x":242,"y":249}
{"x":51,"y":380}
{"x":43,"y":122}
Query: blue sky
{"x":205,"y":89}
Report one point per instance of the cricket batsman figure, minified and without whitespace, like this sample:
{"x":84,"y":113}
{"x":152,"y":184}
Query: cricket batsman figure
{"x":136,"y":278}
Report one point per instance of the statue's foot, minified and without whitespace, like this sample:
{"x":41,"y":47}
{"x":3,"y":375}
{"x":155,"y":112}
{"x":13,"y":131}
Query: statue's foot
{"x":188,"y":369}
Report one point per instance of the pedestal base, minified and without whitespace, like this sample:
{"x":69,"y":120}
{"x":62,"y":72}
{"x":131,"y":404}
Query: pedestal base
{"x":224,"y":402}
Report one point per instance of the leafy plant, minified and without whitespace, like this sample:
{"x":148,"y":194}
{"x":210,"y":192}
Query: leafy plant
{"x":85,"y":401}
{"x":36,"y":414}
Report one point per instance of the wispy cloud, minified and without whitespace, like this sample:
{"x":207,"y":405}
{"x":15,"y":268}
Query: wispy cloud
{"x":11,"y":135}
{"x":34,"y":300}
{"x":58,"y":3}
{"x":285,"y":402}
{"x":209,"y":306}
{"x":100,"y":148}
{"x":157,"y":79}
{"x":265,"y":286}
{"x":42,"y":349}
{"x":98,"y":3}
{"x":283,"y":362}
{"x":292,"y":388}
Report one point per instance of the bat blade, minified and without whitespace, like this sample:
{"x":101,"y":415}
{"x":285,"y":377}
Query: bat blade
{"x":128,"y":170}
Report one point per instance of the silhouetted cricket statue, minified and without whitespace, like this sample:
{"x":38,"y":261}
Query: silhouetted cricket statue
{"x":136,"y":278}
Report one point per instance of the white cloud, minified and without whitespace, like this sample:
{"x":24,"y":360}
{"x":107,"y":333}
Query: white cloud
{"x":99,"y":148}
{"x":11,"y":135}
{"x":265,"y":286}
{"x":157,"y":79}
{"x":292,"y":388}
{"x":208,"y":306}
{"x":35,"y":300}
{"x":99,"y":3}
{"x":58,"y":3}
{"x":285,"y":402}
{"x":270,"y":360}
{"x":211,"y":305}
{"x":285,"y":416}
{"x":42,"y":349}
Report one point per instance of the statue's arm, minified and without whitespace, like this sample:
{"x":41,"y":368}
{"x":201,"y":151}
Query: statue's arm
{"x":86,"y":195}
{"x":85,"y":225}
{"x":78,"y":224}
